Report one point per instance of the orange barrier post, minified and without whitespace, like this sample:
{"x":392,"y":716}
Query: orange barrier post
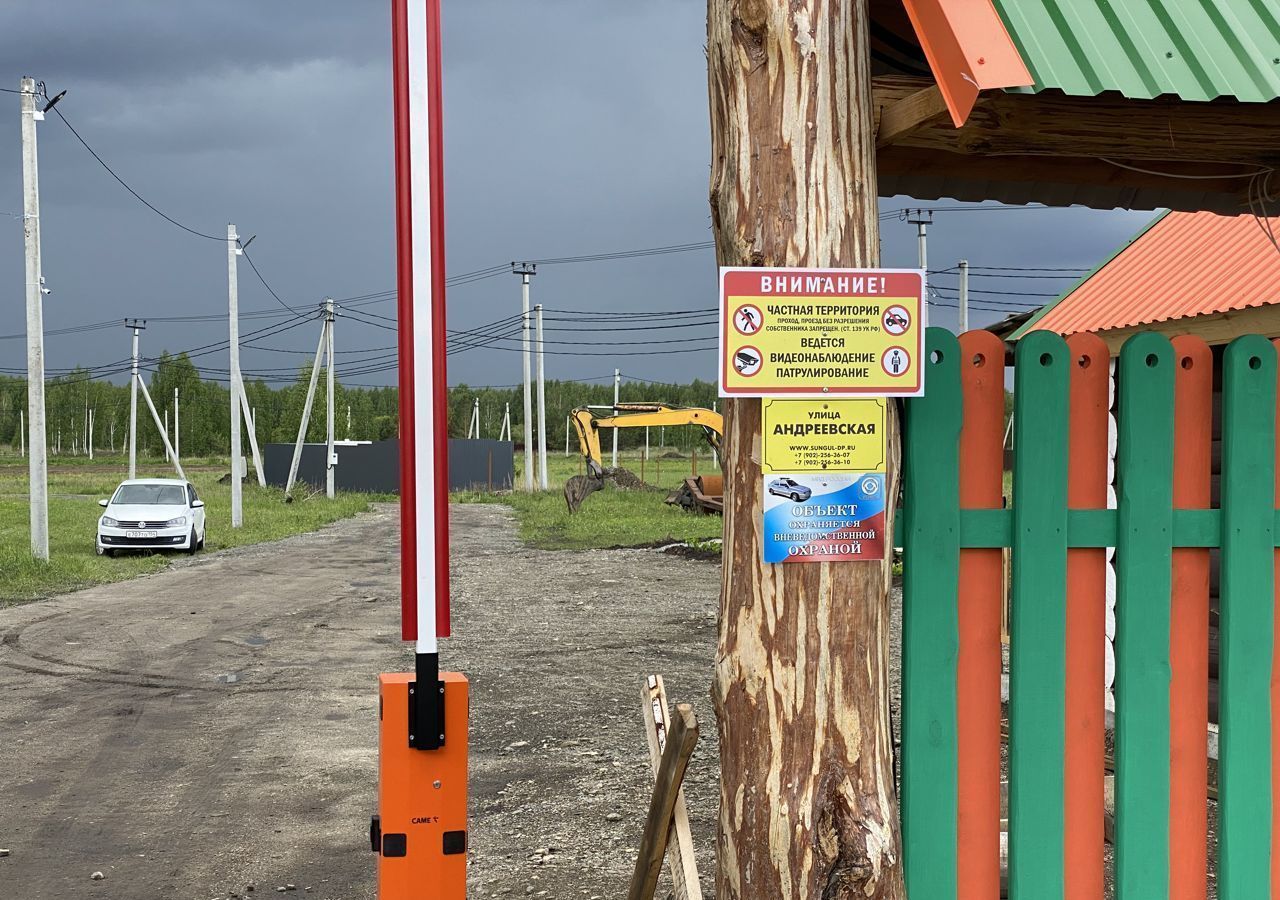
{"x":1086,"y":625}
{"x":420,"y":833}
{"x":980,"y":599}
{"x":1189,"y":625}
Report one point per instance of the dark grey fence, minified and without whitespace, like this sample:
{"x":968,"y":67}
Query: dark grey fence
{"x":375,"y":468}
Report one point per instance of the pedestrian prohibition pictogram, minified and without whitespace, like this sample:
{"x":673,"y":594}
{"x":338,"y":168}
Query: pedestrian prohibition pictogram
{"x":748,"y":319}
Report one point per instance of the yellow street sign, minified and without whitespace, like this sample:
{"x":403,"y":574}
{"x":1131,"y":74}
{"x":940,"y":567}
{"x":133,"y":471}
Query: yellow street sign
{"x":823,"y":436}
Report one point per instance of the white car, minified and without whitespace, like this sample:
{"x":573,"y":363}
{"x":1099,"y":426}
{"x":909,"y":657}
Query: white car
{"x":151,"y":514}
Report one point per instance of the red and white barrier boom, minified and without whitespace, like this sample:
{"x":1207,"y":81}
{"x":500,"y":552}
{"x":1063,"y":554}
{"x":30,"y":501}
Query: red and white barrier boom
{"x":420,"y":831}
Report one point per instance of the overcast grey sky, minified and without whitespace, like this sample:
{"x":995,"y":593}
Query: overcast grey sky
{"x":571,"y":127}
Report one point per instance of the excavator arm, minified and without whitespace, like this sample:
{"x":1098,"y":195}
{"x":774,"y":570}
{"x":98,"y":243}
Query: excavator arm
{"x":629,"y":415}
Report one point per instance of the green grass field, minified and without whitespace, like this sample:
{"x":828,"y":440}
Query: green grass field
{"x":611,"y":517}
{"x":608,"y":518}
{"x":75,"y":486}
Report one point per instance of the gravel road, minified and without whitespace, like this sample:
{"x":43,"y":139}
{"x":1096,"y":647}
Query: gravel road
{"x":212,"y":727}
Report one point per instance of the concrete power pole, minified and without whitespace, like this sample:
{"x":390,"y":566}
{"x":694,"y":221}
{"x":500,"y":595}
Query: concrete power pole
{"x":306,"y":409}
{"x":37,"y":464}
{"x":136,"y":326}
{"x":617,"y":382}
{"x":89,"y":436}
{"x":250,"y":429}
{"x":526,"y":271}
{"x":964,"y":295}
{"x":22,"y":434}
{"x":233,"y":324}
{"x":542,"y":408}
{"x":922,"y":219}
{"x":331,"y":458}
{"x":166,"y":431}
{"x":177,"y":440}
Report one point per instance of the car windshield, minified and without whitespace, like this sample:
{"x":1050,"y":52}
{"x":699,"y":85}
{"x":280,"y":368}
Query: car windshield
{"x":151,"y":495}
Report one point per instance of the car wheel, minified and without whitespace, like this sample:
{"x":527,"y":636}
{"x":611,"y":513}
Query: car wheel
{"x":795,"y":498}
{"x":202,"y":542}
{"x":104,"y":551}
{"x":192,"y":545}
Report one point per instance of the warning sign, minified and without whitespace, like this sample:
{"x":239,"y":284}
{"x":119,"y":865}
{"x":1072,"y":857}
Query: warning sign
{"x":821,"y":332}
{"x":823,"y":472}
{"x":823,"y":436}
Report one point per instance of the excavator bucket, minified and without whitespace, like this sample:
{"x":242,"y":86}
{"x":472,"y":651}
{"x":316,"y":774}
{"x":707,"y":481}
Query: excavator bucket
{"x":578,"y":488}
{"x":701,"y":494}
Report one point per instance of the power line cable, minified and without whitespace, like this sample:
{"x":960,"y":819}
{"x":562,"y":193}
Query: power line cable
{"x":159,"y":212}
{"x":270,"y":289}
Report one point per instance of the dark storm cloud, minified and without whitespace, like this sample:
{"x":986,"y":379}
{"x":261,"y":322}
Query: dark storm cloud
{"x":571,"y":127}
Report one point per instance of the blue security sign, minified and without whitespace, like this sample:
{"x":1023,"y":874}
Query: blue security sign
{"x":820,"y":517}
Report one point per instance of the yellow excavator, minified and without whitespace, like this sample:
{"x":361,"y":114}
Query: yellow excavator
{"x":629,"y":415}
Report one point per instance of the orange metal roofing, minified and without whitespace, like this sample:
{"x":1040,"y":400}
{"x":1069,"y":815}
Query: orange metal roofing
{"x":969,"y":50}
{"x":1185,"y":264}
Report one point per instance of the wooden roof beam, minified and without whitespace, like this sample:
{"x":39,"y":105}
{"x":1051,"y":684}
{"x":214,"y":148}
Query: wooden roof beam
{"x":1216,"y":328}
{"x":1220,"y":136}
{"x":932,"y":174}
{"x":903,"y":118}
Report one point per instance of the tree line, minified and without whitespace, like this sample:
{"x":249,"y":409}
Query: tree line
{"x":360,"y":413}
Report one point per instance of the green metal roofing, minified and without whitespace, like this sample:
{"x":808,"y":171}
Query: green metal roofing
{"x":1194,"y":49}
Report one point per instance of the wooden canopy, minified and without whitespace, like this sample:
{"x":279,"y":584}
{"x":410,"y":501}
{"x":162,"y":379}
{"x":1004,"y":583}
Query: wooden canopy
{"x":1079,"y":140}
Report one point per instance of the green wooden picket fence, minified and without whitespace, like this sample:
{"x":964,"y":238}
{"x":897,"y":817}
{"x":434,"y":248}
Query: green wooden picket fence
{"x":1058,"y":529}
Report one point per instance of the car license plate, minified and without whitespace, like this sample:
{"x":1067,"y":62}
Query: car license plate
{"x":139,"y":534}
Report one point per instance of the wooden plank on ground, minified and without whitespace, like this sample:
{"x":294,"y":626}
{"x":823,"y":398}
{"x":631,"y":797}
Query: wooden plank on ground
{"x":681,"y":740}
{"x":680,"y":856}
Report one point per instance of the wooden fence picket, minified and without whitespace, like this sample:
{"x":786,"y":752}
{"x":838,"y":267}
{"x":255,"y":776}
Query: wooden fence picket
{"x":1247,"y":623}
{"x":1144,"y":554}
{"x":953,"y":528}
{"x":1086,"y":624}
{"x":979,"y":603}
{"x":930,"y":630}
{"x":1189,"y":625}
{"x":1037,"y":642}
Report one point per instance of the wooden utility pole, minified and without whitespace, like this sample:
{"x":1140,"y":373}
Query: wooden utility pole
{"x":807,"y":801}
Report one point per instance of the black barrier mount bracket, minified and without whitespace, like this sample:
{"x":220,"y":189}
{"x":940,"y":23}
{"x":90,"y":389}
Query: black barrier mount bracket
{"x":426,"y":704}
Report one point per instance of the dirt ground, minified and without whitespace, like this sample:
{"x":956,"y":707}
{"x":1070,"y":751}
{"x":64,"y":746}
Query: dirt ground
{"x":210,"y":731}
